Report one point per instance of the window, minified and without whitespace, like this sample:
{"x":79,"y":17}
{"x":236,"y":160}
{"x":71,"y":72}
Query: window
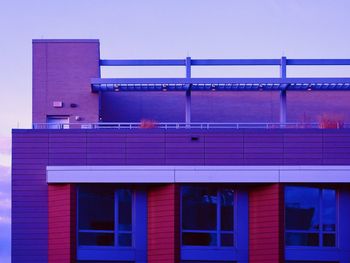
{"x":311,"y":216}
{"x":57,"y":122}
{"x":105,"y":217}
{"x":207,"y":217}
{"x":210,"y":227}
{"x":107,"y":222}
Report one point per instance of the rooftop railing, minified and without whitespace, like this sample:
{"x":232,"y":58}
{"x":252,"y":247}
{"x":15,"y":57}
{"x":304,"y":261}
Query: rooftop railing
{"x":192,"y":125}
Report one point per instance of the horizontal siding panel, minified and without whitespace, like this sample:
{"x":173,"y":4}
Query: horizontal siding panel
{"x":149,"y":150}
{"x":304,"y":161}
{"x":29,"y":144}
{"x":145,"y":145}
{"x":184,"y":145}
{"x":97,"y":155}
{"x":104,"y":138}
{"x":67,"y":161}
{"x":145,"y":161}
{"x":226,"y":161}
{"x":107,"y":144}
{"x":105,"y":151}
{"x":185,"y":161}
{"x":67,"y":155}
{"x":106,"y":161}
{"x":184,"y":139}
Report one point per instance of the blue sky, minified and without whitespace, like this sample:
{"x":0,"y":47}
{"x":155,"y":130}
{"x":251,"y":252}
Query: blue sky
{"x":158,"y":29}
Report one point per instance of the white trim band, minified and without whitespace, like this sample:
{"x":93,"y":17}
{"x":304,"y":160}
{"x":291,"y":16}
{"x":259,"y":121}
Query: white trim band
{"x":199,"y":174}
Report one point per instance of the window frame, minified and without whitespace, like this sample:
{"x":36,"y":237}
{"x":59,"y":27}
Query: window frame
{"x":138,"y":249}
{"x":326,"y":254}
{"x":320,"y":231}
{"x":239,"y":250}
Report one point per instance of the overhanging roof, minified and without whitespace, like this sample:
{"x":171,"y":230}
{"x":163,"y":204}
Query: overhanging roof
{"x":223,"y":84}
{"x":219,"y":84}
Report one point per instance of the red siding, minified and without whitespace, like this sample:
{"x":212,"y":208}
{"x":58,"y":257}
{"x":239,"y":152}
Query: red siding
{"x":266,"y":227}
{"x":62,"y":214}
{"x":163,"y":224}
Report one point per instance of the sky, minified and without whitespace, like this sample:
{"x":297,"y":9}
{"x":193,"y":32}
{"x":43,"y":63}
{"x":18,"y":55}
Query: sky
{"x":158,"y":29}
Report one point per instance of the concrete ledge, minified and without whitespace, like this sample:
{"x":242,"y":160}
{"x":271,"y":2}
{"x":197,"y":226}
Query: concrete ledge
{"x":198,"y":174}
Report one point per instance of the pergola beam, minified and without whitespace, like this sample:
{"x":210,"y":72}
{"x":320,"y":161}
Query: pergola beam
{"x":188,"y":92}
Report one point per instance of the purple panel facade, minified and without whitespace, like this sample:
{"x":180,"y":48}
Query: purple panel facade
{"x":33,"y":150}
{"x":29,"y":197}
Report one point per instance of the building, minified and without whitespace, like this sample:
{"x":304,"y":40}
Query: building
{"x":193,"y":182}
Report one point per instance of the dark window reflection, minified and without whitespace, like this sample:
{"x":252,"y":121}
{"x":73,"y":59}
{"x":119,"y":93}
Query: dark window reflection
{"x":310,"y":214}
{"x":96,"y":208}
{"x":329,"y":209}
{"x":329,"y":240}
{"x":207,"y":216}
{"x":124,"y":240}
{"x":124,"y":209}
{"x":97,"y":216}
{"x":96,"y":239}
{"x":199,"y":208}
{"x":226,"y":209}
{"x":227,"y":240}
{"x":302,"y":239}
{"x":199,"y":239}
{"x":302,"y":208}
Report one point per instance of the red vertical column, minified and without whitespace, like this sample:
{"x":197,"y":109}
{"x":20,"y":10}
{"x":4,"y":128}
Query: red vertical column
{"x":163,"y":224}
{"x":266,"y":224}
{"x":62,"y":223}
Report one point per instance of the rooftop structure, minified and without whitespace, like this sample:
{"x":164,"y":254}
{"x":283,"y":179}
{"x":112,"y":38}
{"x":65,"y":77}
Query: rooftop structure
{"x":177,"y":170}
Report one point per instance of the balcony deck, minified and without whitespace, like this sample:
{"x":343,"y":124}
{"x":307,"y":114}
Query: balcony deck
{"x":193,"y":125}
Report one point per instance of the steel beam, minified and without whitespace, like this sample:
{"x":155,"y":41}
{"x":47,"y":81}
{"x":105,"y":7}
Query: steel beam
{"x":188,"y":92}
{"x":220,"y":81}
{"x":142,"y":62}
{"x":283,"y":92}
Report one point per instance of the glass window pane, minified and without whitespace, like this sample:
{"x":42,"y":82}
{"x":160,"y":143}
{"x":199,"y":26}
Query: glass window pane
{"x":227,"y":240}
{"x":199,"y":239}
{"x":302,"y":239}
{"x":199,"y":208}
{"x":227,"y":218}
{"x":96,"y":239}
{"x":329,"y":209}
{"x":124,"y":209}
{"x":96,"y":207}
{"x":124,"y":240}
{"x":329,"y":240}
{"x":302,"y":208}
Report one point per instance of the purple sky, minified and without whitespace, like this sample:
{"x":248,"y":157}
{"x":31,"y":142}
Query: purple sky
{"x":160,"y":29}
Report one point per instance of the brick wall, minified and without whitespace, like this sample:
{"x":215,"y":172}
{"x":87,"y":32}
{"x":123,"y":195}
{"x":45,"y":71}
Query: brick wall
{"x":62,"y":223}
{"x":163,"y":224}
{"x":62,"y":71}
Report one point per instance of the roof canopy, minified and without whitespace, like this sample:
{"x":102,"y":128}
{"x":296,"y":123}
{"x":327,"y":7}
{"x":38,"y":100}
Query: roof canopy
{"x":222,"y":84}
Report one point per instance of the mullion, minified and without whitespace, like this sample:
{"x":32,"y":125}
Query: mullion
{"x":218,"y":218}
{"x":321,"y":217}
{"x":116,"y":221}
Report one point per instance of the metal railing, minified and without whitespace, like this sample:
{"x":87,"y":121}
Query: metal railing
{"x":183,"y":125}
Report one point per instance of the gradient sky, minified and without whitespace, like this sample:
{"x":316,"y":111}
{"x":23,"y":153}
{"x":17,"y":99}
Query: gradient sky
{"x":158,"y":29}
